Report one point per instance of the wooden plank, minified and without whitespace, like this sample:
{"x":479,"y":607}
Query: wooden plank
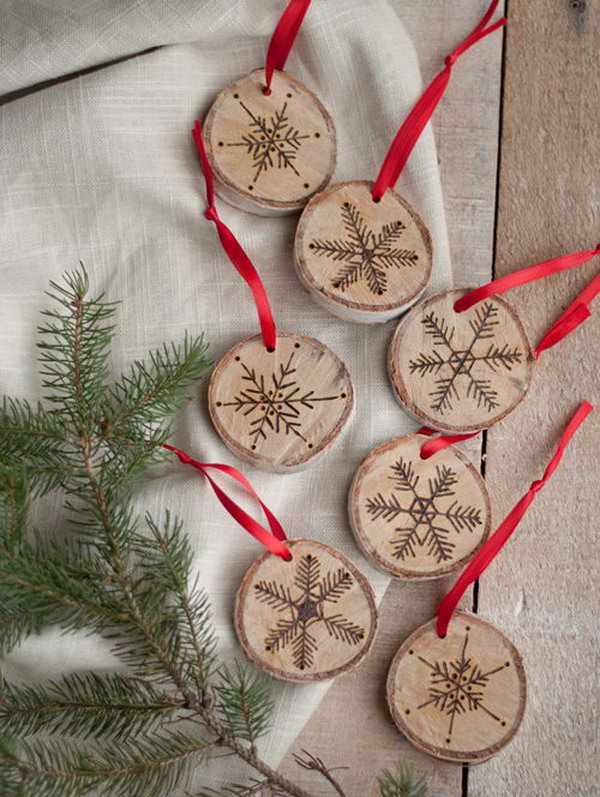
{"x":543,"y":589}
{"x":352,"y":726}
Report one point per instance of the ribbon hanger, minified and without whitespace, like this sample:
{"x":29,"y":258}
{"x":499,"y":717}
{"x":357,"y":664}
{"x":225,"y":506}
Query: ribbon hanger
{"x":412,"y":127}
{"x":490,"y":549}
{"x":283,"y":39}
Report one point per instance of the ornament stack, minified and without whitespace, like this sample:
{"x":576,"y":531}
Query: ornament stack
{"x":459,"y":361}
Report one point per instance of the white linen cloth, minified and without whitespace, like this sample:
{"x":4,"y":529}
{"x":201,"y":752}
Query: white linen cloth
{"x":102,"y":169}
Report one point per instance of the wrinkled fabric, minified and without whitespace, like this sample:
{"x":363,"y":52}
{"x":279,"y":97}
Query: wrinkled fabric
{"x":102,"y":169}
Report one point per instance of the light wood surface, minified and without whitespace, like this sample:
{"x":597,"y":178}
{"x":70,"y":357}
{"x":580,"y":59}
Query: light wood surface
{"x":362,"y":260}
{"x":460,"y":698}
{"x":269,"y":154}
{"x":542,"y":591}
{"x":282,"y":409}
{"x":307,"y":619}
{"x":460,"y":372}
{"x":418,"y":518}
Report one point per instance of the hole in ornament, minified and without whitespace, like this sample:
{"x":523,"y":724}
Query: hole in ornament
{"x":503,"y":723}
{"x":309,"y":557}
{"x":250,"y":188}
{"x":268,"y":647}
{"x":407,"y":711}
{"x":410,"y":652}
{"x":221,"y":144}
{"x":270,"y":349}
{"x":296,"y":345}
{"x":507,"y":663}
{"x":218,"y":403}
{"x":253,"y":448}
{"x":288,"y":95}
{"x":343,"y":395}
{"x":376,"y":199}
{"x":266,"y":91}
{"x":317,"y":135}
{"x":467,"y":628}
{"x":236,"y":96}
{"x":288,"y":557}
{"x":346,"y":204}
{"x":306,"y":185}
{"x":310,"y":445}
{"x":237,"y":359}
{"x":311,"y":246}
{"x":447,"y":741}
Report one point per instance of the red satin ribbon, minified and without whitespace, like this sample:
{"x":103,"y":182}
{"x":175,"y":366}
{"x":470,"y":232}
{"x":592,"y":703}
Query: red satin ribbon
{"x":575,"y":314}
{"x":431,"y":447}
{"x":536,"y":272}
{"x":283,"y":38}
{"x":272,"y":540}
{"x":234,"y":251}
{"x":491,"y":548}
{"x":413,"y":125}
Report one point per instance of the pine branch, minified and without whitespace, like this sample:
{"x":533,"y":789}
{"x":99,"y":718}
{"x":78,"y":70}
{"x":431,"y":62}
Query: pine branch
{"x":245,"y":703}
{"x":401,"y":782}
{"x":88,"y":705}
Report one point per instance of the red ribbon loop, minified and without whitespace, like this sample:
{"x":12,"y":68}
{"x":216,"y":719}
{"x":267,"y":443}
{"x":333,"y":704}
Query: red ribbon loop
{"x":522,"y":277}
{"x":575,"y":314}
{"x":436,"y":444}
{"x":234,"y":251}
{"x":283,"y":38}
{"x":413,"y":125}
{"x":486,"y":554}
{"x":274,"y":539}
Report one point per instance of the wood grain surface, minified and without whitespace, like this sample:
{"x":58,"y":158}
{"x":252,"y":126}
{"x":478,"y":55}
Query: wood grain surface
{"x":542,"y":590}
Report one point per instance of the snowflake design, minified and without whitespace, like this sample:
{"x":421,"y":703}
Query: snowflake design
{"x":305,"y":605}
{"x":458,"y":687}
{"x":425,"y":524}
{"x":272,"y":143}
{"x":366,"y":255}
{"x":274,"y":405}
{"x":456,"y":365}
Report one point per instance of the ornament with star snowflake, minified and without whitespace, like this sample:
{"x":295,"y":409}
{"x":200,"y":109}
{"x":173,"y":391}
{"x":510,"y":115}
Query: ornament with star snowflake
{"x":269,"y":153}
{"x":308,"y":619}
{"x":280,"y":410}
{"x":364,"y":261}
{"x":418,"y":518}
{"x":460,"y":697}
{"x":460,"y":372}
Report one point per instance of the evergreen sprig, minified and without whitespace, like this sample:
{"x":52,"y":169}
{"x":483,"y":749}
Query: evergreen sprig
{"x":126,"y":578}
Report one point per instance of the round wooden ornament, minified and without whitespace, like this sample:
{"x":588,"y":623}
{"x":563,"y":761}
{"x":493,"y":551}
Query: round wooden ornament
{"x":307,"y":619}
{"x":269,"y":152}
{"x":418,"y":518}
{"x":461,"y":697}
{"x":460,"y":372}
{"x":280,"y":410}
{"x":364,"y":261}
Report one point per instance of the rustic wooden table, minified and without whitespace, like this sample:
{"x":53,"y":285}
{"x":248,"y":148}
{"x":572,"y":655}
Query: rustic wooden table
{"x":519,"y":147}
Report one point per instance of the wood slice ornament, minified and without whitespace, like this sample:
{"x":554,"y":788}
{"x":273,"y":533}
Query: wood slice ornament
{"x":361,"y":251}
{"x":460,"y":372}
{"x":280,"y":410}
{"x":418,"y":518}
{"x":269,"y":153}
{"x":460,"y":698}
{"x":362,"y":260}
{"x":307,"y":619}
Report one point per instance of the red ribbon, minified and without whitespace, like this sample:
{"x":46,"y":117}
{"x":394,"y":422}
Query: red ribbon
{"x":486,"y":554}
{"x":274,"y":539}
{"x":413,"y":125}
{"x":431,"y":447}
{"x":234,"y":251}
{"x":536,"y":272}
{"x":283,"y":39}
{"x":575,"y":314}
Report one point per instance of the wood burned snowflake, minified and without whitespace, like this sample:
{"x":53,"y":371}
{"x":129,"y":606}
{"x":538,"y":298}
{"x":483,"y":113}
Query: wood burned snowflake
{"x":454,"y":366}
{"x":305,"y":606}
{"x":427,"y":517}
{"x":272,"y":142}
{"x":275,"y":403}
{"x":363,"y":254}
{"x":457,"y":687}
